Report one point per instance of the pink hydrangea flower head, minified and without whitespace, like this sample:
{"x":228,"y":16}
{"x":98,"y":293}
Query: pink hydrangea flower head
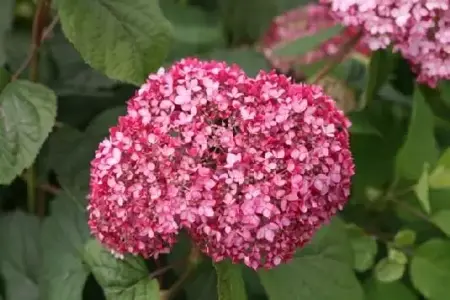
{"x":419,"y":29}
{"x":301,"y":22}
{"x":140,"y":172}
{"x":251,"y":167}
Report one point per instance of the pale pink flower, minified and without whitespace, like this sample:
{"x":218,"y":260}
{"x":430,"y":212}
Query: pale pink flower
{"x":418,"y":29}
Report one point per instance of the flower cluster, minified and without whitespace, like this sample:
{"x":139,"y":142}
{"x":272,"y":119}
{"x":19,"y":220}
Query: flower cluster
{"x":419,"y":29}
{"x":249,"y":167}
{"x":302,"y":22}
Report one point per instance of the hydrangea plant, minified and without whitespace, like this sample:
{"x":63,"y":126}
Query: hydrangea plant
{"x":224,"y":150}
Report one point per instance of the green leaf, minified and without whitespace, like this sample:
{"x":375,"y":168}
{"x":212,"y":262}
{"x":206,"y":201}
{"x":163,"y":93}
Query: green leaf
{"x":77,"y":110}
{"x":196,"y":30}
{"x":364,"y":248}
{"x":126,"y":40}
{"x":438,"y":100}
{"x":361,"y":124}
{"x":373,"y":194}
{"x":374,"y":158}
{"x":239,"y":27}
{"x":63,"y":236}
{"x":249,"y":60}
{"x":388,"y":270}
{"x":69,"y":142}
{"x":99,"y":126}
{"x":440,"y":176}
{"x":6,"y":15}
{"x":421,"y":189}
{"x":27,"y":115}
{"x":20,"y":255}
{"x":442,"y":220}
{"x":389,"y":93}
{"x":6,"y":18}
{"x":253,"y":284}
{"x":397,"y":256}
{"x":380,"y":67}
{"x":5,"y":77}
{"x":444,"y":88}
{"x":430,"y":269}
{"x":376,"y":290}
{"x":203,"y":284}
{"x":80,"y":146}
{"x":439,"y":200}
{"x":305,"y":44}
{"x":181,"y":251}
{"x":74,"y":75}
{"x":411,"y":216}
{"x":121,"y":279}
{"x":420,"y":145}
{"x":286,"y":5}
{"x":230,"y":284}
{"x":320,"y":271}
{"x":404,"y":238}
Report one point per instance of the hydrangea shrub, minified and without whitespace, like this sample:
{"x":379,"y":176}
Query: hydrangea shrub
{"x":229,"y":150}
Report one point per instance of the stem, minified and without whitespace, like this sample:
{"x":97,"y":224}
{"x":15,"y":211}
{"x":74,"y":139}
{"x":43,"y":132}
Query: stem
{"x":393,"y":196}
{"x":40,"y":203}
{"x":39,"y":21}
{"x":412,"y":210}
{"x":161,"y":271}
{"x":174,"y":288}
{"x":377,"y":234}
{"x":403,"y":192}
{"x":192,"y":263}
{"x":45,"y":187}
{"x":387,"y":239}
{"x":158,"y":274}
{"x":335,"y":60}
{"x":51,"y":189}
{"x":34,"y":48}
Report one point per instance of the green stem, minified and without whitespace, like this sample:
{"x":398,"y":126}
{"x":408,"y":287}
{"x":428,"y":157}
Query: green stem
{"x":179,"y":283}
{"x":192,"y":263}
{"x":393,"y":195}
{"x":39,"y":22}
{"x":412,"y":210}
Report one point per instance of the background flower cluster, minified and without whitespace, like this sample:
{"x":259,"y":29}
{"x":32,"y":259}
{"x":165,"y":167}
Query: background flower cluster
{"x":419,"y":30}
